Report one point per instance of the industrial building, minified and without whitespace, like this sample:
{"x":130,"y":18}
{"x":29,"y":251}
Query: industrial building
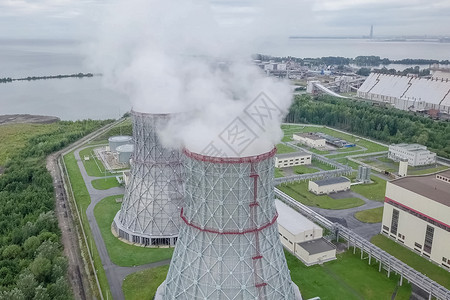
{"x":417,"y":215}
{"x":407,"y":93}
{"x":309,"y":139}
{"x":329,"y":185}
{"x":124,"y":153}
{"x":417,"y":155}
{"x":228,"y":247}
{"x":149,"y":215}
{"x":292,"y":159}
{"x":334,"y":141}
{"x":302,"y":237}
{"x":116,"y":141}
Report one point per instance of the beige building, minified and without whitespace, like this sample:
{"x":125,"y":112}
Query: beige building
{"x":285,"y":160}
{"x":302,"y":237}
{"x":329,"y":185}
{"x":417,"y":214}
{"x":309,"y":139}
{"x":415,"y":154}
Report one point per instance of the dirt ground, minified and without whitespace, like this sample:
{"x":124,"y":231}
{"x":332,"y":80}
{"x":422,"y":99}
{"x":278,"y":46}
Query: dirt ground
{"x":25,"y":118}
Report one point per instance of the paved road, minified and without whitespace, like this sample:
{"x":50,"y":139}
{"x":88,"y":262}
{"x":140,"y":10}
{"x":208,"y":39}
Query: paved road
{"x":346,"y":216}
{"x":115,"y":274}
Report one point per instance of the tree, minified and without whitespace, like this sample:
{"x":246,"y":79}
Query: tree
{"x":363,"y":72}
{"x":41,"y":267}
{"x":41,"y":294}
{"x":27,"y":284}
{"x":12,"y":251}
{"x":30,"y":245}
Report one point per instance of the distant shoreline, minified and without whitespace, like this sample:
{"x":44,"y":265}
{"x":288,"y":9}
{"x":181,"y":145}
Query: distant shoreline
{"x":31,"y":78}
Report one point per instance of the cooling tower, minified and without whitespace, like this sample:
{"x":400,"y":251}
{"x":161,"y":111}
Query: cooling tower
{"x":150,"y":212}
{"x":228,"y":247}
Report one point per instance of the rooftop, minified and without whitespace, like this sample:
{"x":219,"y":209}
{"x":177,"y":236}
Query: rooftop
{"x":291,"y":220}
{"x":428,"y":186}
{"x":292,"y":154}
{"x":120,"y":138}
{"x":309,"y":135}
{"x":317,"y":246}
{"x":332,"y":180}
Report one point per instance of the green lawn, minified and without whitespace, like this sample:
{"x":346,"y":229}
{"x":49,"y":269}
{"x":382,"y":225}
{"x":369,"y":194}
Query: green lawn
{"x":386,"y":160}
{"x":105,"y":183}
{"x":304,"y":170}
{"x":13,"y":137}
{"x":143,"y":284}
{"x":322,"y":165}
{"x":373,"y":191}
{"x":349,"y":149}
{"x":374,"y":215}
{"x":371,"y":147}
{"x":82,"y":200}
{"x":413,"y":260}
{"x":123,"y":254}
{"x":421,"y":171}
{"x":350,"y":163}
{"x":94,"y":167}
{"x":299,"y":191}
{"x":123,"y":128}
{"x":278,"y":173}
{"x":282,"y":148}
{"x":348,"y":278}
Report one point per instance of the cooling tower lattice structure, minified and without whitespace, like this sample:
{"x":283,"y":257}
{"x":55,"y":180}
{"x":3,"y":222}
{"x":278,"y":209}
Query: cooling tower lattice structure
{"x":150,"y":212}
{"x":229,"y":246}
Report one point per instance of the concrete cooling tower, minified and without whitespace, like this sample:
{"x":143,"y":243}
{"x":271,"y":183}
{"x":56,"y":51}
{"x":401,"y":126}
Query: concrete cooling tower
{"x":150,"y":212}
{"x":228,"y":247}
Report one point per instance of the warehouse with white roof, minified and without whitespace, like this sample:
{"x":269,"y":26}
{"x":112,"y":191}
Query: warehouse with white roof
{"x":407,"y":93}
{"x":302,"y":237}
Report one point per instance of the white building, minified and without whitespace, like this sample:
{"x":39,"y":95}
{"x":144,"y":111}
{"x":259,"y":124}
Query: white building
{"x":407,"y":93}
{"x":292,"y":159}
{"x":302,"y":237}
{"x":417,"y":155}
{"x":417,"y":214}
{"x":329,"y":185}
{"x":309,"y":139}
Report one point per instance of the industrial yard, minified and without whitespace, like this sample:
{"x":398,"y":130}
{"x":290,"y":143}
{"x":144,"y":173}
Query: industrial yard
{"x":122,"y":255}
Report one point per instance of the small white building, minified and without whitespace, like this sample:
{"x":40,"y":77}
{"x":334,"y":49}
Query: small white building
{"x":302,"y":237}
{"x":291,"y":159}
{"x":309,"y":139}
{"x":329,"y":185}
{"x":417,"y":155}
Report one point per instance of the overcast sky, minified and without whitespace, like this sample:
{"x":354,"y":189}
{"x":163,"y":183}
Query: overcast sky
{"x":75,"y":18}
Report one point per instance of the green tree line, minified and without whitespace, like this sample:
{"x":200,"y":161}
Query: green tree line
{"x":384,"y":124}
{"x":32,"y":264}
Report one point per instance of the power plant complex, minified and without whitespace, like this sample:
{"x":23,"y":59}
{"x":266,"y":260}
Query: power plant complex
{"x":150,"y":212}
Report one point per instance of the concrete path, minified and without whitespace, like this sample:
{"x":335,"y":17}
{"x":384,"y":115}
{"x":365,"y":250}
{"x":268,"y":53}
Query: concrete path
{"x":346,"y":216}
{"x":114,"y":273}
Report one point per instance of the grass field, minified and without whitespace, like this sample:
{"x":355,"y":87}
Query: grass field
{"x":373,"y":191}
{"x":322,"y":165}
{"x":123,"y":128}
{"x":304,"y":170}
{"x":82,"y":200}
{"x":13,"y":137}
{"x":105,"y":183}
{"x":278,"y":173}
{"x":348,"y":278}
{"x":374,"y":215}
{"x":413,"y":260}
{"x":143,"y":284}
{"x":420,"y":171}
{"x":282,"y":148}
{"x":371,"y":147}
{"x":123,"y":254}
{"x":94,"y":167}
{"x":299,"y":191}
{"x":350,"y":163}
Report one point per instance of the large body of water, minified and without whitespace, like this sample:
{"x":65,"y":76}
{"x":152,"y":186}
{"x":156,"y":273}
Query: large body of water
{"x":74,"y":98}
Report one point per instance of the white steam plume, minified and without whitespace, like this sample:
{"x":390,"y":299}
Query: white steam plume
{"x":173,"y":56}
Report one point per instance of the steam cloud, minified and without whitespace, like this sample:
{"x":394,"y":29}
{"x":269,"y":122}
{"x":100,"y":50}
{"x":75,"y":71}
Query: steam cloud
{"x":176,"y":57}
